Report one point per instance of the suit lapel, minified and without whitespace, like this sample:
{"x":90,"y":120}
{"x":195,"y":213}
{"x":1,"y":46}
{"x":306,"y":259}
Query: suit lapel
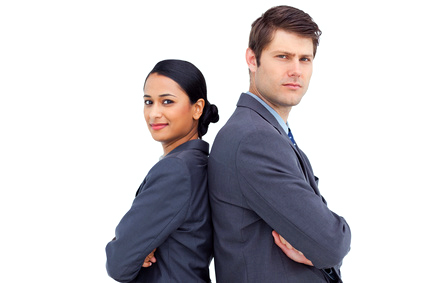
{"x":249,"y":102}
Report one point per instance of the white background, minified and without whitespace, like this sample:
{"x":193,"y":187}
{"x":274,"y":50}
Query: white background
{"x":74,"y":146}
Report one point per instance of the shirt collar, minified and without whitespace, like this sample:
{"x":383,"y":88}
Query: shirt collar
{"x":272,"y":111}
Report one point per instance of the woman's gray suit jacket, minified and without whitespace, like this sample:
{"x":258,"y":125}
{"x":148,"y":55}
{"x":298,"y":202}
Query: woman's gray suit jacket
{"x":171,"y":213}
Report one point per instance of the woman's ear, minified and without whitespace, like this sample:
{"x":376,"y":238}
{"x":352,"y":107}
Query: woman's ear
{"x":198,"y":108}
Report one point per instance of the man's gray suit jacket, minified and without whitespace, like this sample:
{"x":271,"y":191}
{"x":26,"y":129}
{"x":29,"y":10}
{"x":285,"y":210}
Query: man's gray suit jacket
{"x":259,"y":182}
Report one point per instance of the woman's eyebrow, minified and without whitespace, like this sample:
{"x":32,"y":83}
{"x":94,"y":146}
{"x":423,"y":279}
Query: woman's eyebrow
{"x":161,"y":95}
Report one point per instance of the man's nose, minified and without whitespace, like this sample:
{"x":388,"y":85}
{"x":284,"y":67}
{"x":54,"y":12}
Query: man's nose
{"x":295,"y":70}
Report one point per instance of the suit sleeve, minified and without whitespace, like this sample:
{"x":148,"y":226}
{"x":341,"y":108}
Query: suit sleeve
{"x":158,"y":210}
{"x":274,"y":187}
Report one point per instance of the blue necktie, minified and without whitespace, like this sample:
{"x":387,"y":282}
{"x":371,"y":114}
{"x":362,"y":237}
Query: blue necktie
{"x":291,"y":137}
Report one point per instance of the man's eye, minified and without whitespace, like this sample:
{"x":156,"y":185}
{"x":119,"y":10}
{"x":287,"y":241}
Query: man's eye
{"x":305,"y":59}
{"x":282,"y":56}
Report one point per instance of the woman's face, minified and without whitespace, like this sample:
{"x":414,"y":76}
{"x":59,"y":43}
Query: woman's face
{"x":170,"y":117}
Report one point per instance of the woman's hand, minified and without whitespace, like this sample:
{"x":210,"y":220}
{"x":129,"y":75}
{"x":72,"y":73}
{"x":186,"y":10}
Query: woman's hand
{"x":150,"y":259}
{"x":288,"y":249}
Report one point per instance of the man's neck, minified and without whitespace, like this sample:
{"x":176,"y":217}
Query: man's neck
{"x":282,"y":112}
{"x":274,"y":113}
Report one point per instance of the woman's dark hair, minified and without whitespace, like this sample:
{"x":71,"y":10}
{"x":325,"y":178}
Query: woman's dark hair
{"x":191,"y":80}
{"x":287,"y":18}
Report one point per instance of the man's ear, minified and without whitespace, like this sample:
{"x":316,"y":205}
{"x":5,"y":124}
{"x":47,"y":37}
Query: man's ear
{"x":251,"y":60}
{"x":198,"y":108}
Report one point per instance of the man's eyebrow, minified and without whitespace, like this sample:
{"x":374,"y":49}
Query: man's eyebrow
{"x":284,"y":52}
{"x":292,"y":54}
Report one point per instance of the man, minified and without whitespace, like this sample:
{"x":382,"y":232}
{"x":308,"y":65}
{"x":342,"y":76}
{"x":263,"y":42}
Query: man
{"x":261,"y":184}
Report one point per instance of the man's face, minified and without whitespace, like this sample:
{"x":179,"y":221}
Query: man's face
{"x":285,"y":70}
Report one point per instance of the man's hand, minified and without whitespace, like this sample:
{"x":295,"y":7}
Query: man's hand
{"x":150,"y":259}
{"x":288,"y":249}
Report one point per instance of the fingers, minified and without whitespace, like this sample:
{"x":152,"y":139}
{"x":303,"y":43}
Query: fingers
{"x":289,"y":250}
{"x":308,"y":262}
{"x":147,"y":264}
{"x":150,"y":259}
{"x":153,"y":259}
{"x":290,"y":247}
{"x":279,"y":241}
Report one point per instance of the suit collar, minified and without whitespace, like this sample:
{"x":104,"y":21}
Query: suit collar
{"x":197,"y":144}
{"x":249,"y":102}
{"x":271,"y":110}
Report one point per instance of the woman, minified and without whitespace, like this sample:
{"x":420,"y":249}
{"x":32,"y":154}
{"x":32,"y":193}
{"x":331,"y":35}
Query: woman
{"x":167,"y":234}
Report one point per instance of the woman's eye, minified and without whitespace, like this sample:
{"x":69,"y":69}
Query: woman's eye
{"x":167,"y":101}
{"x":148,"y":102}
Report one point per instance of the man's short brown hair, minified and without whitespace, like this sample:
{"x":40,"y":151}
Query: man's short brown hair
{"x":287,"y":18}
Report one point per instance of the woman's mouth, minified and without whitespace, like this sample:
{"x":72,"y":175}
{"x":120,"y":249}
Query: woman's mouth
{"x":158,"y":126}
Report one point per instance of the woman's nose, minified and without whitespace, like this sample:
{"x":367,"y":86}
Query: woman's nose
{"x":155,"y":111}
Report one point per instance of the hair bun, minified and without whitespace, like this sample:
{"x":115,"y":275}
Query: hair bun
{"x":210,"y":115}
